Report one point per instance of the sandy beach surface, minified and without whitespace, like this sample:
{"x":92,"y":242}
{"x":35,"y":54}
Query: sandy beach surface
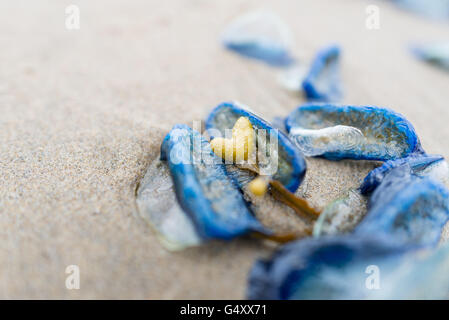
{"x":83,"y":113}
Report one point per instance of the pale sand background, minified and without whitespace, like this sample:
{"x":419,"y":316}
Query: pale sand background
{"x":83,"y":113}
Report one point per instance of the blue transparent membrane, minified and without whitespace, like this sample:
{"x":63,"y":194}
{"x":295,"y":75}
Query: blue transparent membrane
{"x":351,"y":132}
{"x":341,"y":215}
{"x":292,"y":77}
{"x":157,"y":205}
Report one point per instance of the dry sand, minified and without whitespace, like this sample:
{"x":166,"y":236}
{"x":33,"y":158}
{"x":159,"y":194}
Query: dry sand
{"x":83,"y":113}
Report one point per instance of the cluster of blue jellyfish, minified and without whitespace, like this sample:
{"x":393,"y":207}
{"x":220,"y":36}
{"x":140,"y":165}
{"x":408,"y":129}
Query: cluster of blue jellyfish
{"x":407,"y":210}
{"x":407,"y":204}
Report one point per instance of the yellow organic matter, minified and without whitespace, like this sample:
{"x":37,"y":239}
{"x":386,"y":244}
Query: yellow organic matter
{"x":240,"y":146}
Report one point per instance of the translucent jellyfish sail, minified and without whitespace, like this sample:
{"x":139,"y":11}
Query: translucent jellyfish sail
{"x":260,"y":35}
{"x":157,"y":204}
{"x":352,"y":132}
{"x":292,"y":77}
{"x":279,"y":164}
{"x":333,"y":139}
{"x":342,"y":215}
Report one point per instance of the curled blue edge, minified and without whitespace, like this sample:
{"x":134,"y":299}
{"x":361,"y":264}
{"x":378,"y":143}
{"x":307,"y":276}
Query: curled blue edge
{"x":416,"y":162}
{"x":298,"y":162}
{"x":403,"y":125}
{"x":272,"y":56}
{"x":192,"y":200}
{"x":322,"y":58}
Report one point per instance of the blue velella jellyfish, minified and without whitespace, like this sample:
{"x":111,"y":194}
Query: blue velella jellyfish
{"x":352,"y":132}
{"x":271,"y":168}
{"x":341,"y":215}
{"x":262,"y":36}
{"x":158,"y":206}
{"x":286,"y":163}
{"x":323,"y":81}
{"x":209,"y":201}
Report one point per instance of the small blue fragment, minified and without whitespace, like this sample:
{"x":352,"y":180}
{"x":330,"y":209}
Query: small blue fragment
{"x":203,"y":188}
{"x":290,"y":167}
{"x":436,"y":54}
{"x":323,"y":81}
{"x":352,"y":132}
{"x":417,"y":163}
{"x":407,"y":209}
{"x":262,"y":36}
